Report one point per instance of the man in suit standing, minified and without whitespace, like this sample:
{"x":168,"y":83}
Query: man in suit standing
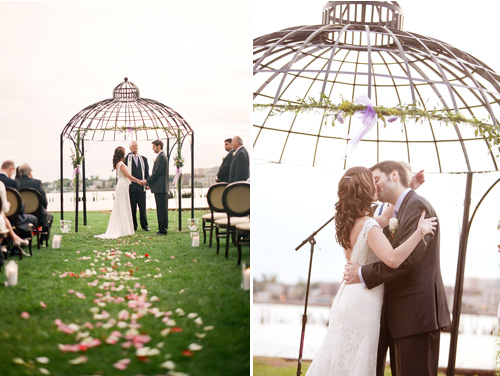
{"x":415,"y":307}
{"x":223,"y":174}
{"x":158,"y":184}
{"x":240,"y":166}
{"x":26,"y":180}
{"x":138,"y":166}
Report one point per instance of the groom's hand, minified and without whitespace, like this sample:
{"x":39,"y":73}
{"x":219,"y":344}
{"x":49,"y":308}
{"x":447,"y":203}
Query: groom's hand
{"x":351,"y":275}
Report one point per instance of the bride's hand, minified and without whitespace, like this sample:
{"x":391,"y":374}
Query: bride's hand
{"x":427,"y":225}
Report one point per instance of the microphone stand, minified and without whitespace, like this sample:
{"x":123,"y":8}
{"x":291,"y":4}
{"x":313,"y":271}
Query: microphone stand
{"x":311,"y":241}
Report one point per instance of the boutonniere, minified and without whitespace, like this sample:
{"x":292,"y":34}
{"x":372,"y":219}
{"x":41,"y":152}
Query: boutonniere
{"x":393,"y":226}
{"x":234,"y":153}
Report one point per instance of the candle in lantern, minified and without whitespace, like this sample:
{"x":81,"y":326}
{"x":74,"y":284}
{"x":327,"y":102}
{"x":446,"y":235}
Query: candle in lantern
{"x":56,"y":241}
{"x":196,"y":239}
{"x":11,"y":270}
{"x":245,"y":277}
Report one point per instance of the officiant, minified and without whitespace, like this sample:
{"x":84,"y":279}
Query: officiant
{"x":138,"y":167}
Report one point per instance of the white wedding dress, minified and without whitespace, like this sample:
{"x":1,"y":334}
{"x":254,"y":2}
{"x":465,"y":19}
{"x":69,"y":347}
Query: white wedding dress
{"x":120,"y":223}
{"x":350,"y":344}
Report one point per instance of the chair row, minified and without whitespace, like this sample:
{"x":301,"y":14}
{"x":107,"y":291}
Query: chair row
{"x":229,"y":214}
{"x":32,"y":201}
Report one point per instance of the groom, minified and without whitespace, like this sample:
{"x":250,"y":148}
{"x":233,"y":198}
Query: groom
{"x":157,"y":181}
{"x":415,"y":306}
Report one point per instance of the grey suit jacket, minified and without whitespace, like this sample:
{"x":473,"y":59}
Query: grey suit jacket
{"x":240,"y":166}
{"x":157,"y":181}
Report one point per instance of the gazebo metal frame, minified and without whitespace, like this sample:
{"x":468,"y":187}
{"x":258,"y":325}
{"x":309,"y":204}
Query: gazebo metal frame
{"x":124,"y":117}
{"x":360,"y":47}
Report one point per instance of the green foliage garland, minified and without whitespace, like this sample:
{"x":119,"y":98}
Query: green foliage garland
{"x":386,"y":114}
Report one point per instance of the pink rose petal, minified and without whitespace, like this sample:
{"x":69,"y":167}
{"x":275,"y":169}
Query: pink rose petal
{"x":120,"y":366}
{"x":25,"y":315}
{"x":43,"y":305}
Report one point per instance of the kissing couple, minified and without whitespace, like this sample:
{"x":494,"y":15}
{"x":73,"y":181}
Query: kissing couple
{"x":121,"y":221}
{"x":392,"y":295}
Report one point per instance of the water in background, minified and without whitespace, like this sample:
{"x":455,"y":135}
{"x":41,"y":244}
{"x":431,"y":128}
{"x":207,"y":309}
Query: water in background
{"x":103,"y":200}
{"x":276,"y":330}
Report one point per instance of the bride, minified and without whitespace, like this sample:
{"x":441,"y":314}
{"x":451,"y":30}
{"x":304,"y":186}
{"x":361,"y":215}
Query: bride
{"x":120,"y":222}
{"x":350,"y":344}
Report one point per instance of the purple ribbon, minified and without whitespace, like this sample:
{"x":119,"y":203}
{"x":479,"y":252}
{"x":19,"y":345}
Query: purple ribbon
{"x":177,"y":175}
{"x":368,"y":118}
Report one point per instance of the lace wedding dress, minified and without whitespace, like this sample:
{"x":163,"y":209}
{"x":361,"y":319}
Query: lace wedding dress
{"x":120,"y":223}
{"x":350,"y":344}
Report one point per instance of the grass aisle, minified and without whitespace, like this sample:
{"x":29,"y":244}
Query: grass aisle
{"x":139,"y":305}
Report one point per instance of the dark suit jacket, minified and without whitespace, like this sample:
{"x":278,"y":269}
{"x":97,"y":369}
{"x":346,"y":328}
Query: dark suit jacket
{"x":136,"y":172}
{"x":240,"y":166}
{"x":415,"y":300}
{"x":9,"y":182}
{"x":223,"y":174}
{"x":158,"y":179}
{"x":23,"y":220}
{"x":26,"y":182}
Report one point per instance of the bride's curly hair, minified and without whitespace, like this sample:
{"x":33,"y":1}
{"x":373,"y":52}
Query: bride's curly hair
{"x":118,"y":156}
{"x":356,"y":191}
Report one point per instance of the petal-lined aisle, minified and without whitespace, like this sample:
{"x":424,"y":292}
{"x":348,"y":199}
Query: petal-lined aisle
{"x":141,"y":306}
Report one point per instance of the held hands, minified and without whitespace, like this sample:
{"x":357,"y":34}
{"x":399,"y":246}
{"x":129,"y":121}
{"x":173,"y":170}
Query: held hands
{"x":427,"y":225}
{"x":351,"y":275}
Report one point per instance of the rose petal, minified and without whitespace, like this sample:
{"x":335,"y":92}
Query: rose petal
{"x":44,"y":371}
{"x":120,"y":366}
{"x":43,"y":305}
{"x":25,"y":315}
{"x":79,"y":360}
{"x":195,"y":347}
{"x":168,"y":365}
{"x":42,"y":359}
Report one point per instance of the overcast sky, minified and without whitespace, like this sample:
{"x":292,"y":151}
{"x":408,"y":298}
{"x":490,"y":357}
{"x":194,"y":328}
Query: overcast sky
{"x":290,"y":202}
{"x":60,"y":57}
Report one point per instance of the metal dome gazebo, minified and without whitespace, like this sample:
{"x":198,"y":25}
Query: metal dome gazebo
{"x":361,"y":48}
{"x":124,"y":117}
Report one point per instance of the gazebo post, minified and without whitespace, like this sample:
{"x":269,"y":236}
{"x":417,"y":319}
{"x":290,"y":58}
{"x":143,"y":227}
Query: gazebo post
{"x":192,"y":175}
{"x":77,"y":183}
{"x":179,"y":191}
{"x":84,"y":187}
{"x":61,"y":155}
{"x":459,"y":283}
{"x":168,"y":174}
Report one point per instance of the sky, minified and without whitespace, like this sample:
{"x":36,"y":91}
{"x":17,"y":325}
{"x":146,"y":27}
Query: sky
{"x":60,"y":57}
{"x":289,"y":202}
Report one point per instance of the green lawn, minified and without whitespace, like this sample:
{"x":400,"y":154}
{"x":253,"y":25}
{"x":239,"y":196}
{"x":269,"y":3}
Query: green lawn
{"x":98,"y":301}
{"x":286,"y":367}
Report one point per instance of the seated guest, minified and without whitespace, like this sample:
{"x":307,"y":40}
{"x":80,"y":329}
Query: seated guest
{"x":4,"y":221}
{"x":6,"y":171}
{"x":26,"y":180}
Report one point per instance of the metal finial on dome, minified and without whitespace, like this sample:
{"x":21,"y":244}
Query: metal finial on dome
{"x":373,"y":13}
{"x":126,"y":91}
